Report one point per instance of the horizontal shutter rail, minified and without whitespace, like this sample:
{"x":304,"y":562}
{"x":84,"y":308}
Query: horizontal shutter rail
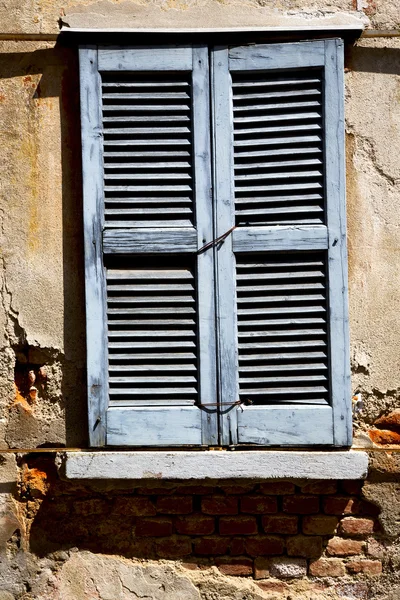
{"x":277,"y":56}
{"x":167,"y":58}
{"x":148,"y":158}
{"x":150,"y":241}
{"x":301,"y":237}
{"x":152,"y":358}
{"x":284,"y":358}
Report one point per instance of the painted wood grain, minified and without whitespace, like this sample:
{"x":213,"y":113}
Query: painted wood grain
{"x":160,"y":58}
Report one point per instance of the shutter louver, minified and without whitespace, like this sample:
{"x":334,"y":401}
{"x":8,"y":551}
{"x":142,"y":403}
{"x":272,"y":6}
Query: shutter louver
{"x":152,"y":336}
{"x":278,"y":160}
{"x":282,"y":329}
{"x":147,"y":125}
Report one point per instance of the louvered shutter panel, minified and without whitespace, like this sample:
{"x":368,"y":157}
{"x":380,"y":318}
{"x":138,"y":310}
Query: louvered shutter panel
{"x":147,"y":203}
{"x":282,"y":280}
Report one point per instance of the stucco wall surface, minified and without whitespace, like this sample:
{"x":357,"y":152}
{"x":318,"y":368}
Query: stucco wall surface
{"x":42,"y":339}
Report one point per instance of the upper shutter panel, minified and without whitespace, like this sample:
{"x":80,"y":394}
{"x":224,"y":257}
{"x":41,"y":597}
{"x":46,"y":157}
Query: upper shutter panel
{"x":147,"y":126}
{"x":288,"y":331}
{"x":153,"y":210}
{"x":278,"y":154}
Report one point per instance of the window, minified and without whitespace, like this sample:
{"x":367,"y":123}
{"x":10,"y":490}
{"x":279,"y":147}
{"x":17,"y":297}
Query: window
{"x":215,"y":245}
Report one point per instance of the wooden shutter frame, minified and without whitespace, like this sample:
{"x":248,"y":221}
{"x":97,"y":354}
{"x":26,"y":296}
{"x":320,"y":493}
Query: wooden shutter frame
{"x":327,"y":54}
{"x":99,"y":240}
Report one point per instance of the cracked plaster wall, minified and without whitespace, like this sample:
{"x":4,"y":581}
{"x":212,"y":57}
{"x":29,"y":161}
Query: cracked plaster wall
{"x":41,"y":310}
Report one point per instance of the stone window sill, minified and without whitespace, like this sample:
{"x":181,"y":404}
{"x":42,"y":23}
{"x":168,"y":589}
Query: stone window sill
{"x":212,"y":464}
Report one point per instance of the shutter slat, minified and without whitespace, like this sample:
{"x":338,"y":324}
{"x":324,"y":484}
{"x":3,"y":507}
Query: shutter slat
{"x":282,"y":350}
{"x":265,"y":118}
{"x":144,"y":369}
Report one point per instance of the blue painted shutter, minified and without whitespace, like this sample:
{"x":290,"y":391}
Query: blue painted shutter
{"x":147,"y":198}
{"x":282,"y":279}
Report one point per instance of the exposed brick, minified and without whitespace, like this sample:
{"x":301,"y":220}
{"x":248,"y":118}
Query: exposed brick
{"x":384,"y":436}
{"x":219,"y":505}
{"x":195,"y":525}
{"x":141,"y":547}
{"x":280,"y":524}
{"x":327,"y":567}
{"x":356,"y":527}
{"x":261,"y":568}
{"x":303,"y":505}
{"x":134,"y":507}
{"x":319,"y":525}
{"x":258,"y":504}
{"x":237,"y":489}
{"x":307,"y":546}
{"x":367,"y":508}
{"x":264,"y":545}
{"x":175,"y":505}
{"x":241,"y":525}
{"x":319,"y":487}
{"x":93,"y":506}
{"x":279,"y":488}
{"x":195,"y":490}
{"x":367,"y":567}
{"x":153,"y":527}
{"x":288,"y":568}
{"x":341,"y":505}
{"x":352,"y":486}
{"x":340,"y":547}
{"x":278,"y":587}
{"x":390,"y":421}
{"x":155,"y":491}
{"x":173,"y":546}
{"x":240,"y":566}
{"x":211,"y":546}
{"x":236,"y":546}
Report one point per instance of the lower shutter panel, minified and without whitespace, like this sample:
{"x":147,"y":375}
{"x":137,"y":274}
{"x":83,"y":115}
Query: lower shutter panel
{"x":152,"y":342}
{"x":283,"y":348}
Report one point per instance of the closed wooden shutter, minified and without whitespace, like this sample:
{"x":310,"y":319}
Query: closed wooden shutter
{"x":147,"y":194}
{"x":282,"y":273}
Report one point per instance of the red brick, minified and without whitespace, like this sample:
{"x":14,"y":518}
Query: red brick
{"x":319,"y":487}
{"x":173,"y":546}
{"x":352,"y":486}
{"x":303,"y":505}
{"x":134,"y":507}
{"x":155,"y":491}
{"x":319,"y":525}
{"x":264,"y":545}
{"x":368,"y":567}
{"x":258,"y":504}
{"x":306,"y":546}
{"x":93,"y":506}
{"x":384,"y":437}
{"x":195,"y":490}
{"x":219,"y":505}
{"x":341,"y":505}
{"x":237,"y":489}
{"x":211,"y":546}
{"x":141,"y":547}
{"x":240,"y":566}
{"x":356,"y":527}
{"x":279,"y":587}
{"x":195,"y":525}
{"x":390,"y":421}
{"x":278,"y":488}
{"x":327,"y":567}
{"x":236,"y":546}
{"x":241,"y":525}
{"x":339,"y":547}
{"x":280,"y":524}
{"x":153,"y":527}
{"x":175,"y":505}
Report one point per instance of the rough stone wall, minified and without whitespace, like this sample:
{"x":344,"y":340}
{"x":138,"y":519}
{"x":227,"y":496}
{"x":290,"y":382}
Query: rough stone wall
{"x":61,"y":541}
